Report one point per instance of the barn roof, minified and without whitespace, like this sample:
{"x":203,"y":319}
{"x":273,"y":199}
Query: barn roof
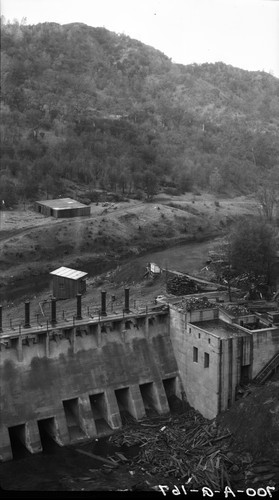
{"x":61,"y":203}
{"x":67,"y":272}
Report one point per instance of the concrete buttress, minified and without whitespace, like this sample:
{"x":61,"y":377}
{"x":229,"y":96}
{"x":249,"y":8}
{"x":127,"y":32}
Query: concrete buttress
{"x":136,"y":406}
{"x":47,"y":344}
{"x":113,"y":415}
{"x":99,"y":336}
{"x":61,"y":433}
{"x":162,"y":405}
{"x":69,"y":384}
{"x":85,"y":416}
{"x":73,"y":339}
{"x":5,"y":448}
{"x":32,"y":437}
{"x":19,"y":349}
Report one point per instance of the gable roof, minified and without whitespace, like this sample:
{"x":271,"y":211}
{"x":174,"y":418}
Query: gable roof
{"x":61,"y":203}
{"x":67,"y":272}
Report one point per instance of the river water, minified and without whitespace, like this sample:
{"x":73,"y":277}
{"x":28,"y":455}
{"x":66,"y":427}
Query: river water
{"x":184,"y":258}
{"x":64,"y":468}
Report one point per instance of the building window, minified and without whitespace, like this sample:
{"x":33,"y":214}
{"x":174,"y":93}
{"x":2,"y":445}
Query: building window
{"x":61,"y":286}
{"x":209,"y":341}
{"x":206,"y":360}
{"x":190,"y":330}
{"x":199,"y":335}
{"x":195,"y":354}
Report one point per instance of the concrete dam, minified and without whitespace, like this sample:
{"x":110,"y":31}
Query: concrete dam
{"x":75,"y":375}
{"x":74,"y":379}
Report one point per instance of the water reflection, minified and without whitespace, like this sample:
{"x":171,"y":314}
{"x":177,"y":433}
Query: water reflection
{"x":60,"y":468}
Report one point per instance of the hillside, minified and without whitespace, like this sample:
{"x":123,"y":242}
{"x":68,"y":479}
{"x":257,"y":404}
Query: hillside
{"x":99,"y":109}
{"x":31,"y":244}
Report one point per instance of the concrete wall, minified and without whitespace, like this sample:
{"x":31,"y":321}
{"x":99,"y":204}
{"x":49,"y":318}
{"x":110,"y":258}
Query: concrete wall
{"x":225,"y":316}
{"x":232,"y":357}
{"x":202,"y":315}
{"x":200,"y":384}
{"x":265,"y":346}
{"x":257,"y":349}
{"x":59,"y":371}
{"x":209,"y":389}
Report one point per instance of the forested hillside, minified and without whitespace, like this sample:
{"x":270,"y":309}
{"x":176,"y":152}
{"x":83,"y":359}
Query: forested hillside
{"x":87,"y":106}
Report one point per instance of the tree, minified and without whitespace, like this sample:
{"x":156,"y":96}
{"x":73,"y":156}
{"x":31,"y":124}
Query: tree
{"x":268,"y":194}
{"x":149,"y":114}
{"x":253,"y":248}
{"x":8,"y":197}
{"x":51,"y":185}
{"x":215,"y":181}
{"x":268,"y":198}
{"x":265,"y":150}
{"x":29,"y":185}
{"x":150,"y":184}
{"x":222,"y":263}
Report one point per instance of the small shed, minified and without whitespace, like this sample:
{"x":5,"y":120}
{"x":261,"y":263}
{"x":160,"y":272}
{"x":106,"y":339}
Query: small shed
{"x":67,"y":282}
{"x":63,"y":207}
{"x":152,"y":270}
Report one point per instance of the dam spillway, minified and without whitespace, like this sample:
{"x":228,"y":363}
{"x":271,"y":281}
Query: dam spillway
{"x":73,"y":379}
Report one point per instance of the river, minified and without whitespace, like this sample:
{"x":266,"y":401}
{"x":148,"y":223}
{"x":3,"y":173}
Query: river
{"x":64,"y":468}
{"x":184,"y":258}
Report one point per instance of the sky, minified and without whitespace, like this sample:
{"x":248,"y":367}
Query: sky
{"x":243,"y":33}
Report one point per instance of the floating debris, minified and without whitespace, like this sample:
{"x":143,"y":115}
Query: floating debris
{"x":185,"y":446}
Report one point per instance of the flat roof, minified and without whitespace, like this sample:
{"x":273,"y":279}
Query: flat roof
{"x":61,"y":203}
{"x":67,"y":272}
{"x":220,"y":328}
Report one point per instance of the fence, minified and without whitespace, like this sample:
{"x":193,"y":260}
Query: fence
{"x":52,"y":313}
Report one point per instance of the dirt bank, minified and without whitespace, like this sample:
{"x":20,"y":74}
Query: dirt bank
{"x":31,"y":244}
{"x":254,"y":420}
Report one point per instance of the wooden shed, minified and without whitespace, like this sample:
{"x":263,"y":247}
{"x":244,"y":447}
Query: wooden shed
{"x":63,"y":207}
{"x":152,"y":270}
{"x":67,"y":282}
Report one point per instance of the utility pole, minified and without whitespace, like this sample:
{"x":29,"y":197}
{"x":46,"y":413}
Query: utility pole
{"x":1,"y":210}
{"x":166,"y":282}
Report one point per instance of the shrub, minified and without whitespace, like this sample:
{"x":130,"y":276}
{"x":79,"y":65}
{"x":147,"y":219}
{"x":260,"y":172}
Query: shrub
{"x":172,"y":191}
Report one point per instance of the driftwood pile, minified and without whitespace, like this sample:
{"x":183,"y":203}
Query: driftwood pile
{"x":185,"y":448}
{"x":263,"y":471}
{"x":198,"y":303}
{"x":254,"y":473}
{"x":241,"y":281}
{"x":235,"y":309}
{"x":181,"y":285}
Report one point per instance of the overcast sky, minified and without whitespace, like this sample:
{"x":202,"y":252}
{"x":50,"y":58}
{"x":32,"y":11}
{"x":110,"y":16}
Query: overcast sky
{"x":243,"y":33}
